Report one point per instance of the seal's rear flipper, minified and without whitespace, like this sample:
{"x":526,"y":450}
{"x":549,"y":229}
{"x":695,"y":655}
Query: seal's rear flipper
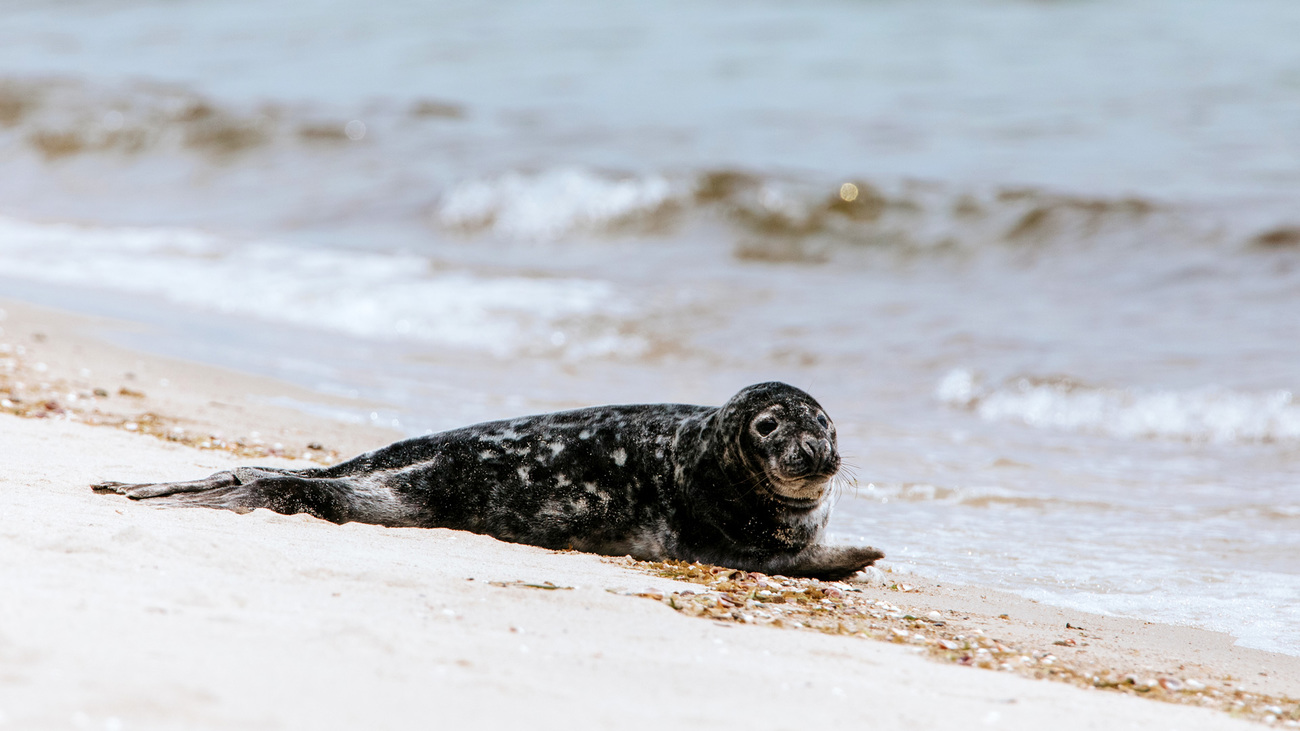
{"x":144,"y":491}
{"x":245,"y":489}
{"x":228,"y":478}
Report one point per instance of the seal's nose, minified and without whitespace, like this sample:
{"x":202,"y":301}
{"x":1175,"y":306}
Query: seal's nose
{"x":818,"y":450}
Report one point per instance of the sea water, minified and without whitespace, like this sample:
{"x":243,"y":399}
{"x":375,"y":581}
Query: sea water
{"x":1039,"y":260}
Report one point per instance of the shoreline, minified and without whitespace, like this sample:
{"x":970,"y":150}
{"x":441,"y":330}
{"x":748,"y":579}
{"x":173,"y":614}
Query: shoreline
{"x":207,"y":407}
{"x":87,"y":540}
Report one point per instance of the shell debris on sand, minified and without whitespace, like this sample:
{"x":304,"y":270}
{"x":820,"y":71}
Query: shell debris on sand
{"x":547,"y":585}
{"x":841,"y":608}
{"x":27,"y":391}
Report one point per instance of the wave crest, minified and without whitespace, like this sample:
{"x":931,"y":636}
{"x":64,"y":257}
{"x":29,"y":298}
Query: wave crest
{"x":389,"y":296}
{"x":1203,"y":414}
{"x":550,"y":205}
{"x":779,"y":218}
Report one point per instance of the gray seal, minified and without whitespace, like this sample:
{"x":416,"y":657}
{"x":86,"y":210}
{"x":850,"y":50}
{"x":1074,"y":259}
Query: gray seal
{"x":745,"y":485}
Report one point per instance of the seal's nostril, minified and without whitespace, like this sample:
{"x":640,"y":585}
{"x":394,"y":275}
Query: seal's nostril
{"x":817,"y":451}
{"x":809,"y":446}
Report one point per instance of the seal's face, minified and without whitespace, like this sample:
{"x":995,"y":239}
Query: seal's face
{"x":789,"y":438}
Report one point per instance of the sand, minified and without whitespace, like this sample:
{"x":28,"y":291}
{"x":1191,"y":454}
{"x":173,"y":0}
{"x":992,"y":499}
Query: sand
{"x":119,"y":615}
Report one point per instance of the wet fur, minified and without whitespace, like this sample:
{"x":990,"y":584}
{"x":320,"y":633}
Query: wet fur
{"x":662,"y":481}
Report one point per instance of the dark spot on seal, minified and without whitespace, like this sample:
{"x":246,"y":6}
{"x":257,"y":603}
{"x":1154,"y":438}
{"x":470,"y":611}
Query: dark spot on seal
{"x":743,"y":485}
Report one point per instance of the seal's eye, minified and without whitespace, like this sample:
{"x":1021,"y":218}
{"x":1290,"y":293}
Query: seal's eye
{"x":765,"y":426}
{"x":821,"y":419}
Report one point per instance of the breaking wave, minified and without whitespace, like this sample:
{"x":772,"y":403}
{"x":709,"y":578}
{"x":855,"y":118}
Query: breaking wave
{"x":767,"y":215}
{"x":1203,"y":414}
{"x":365,"y":294}
{"x":775,"y":218}
{"x":971,"y":497}
{"x":549,"y":205}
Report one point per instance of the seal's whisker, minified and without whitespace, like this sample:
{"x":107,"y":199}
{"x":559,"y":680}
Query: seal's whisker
{"x":752,"y":483}
{"x":845,"y":484}
{"x":848,"y":477}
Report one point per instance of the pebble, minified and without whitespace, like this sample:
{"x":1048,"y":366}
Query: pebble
{"x":872,"y":575}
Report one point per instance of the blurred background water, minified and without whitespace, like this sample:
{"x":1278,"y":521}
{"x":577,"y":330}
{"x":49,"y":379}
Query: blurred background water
{"x":1040,"y":260}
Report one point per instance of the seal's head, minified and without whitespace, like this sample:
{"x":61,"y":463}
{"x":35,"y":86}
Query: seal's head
{"x":782,"y":437}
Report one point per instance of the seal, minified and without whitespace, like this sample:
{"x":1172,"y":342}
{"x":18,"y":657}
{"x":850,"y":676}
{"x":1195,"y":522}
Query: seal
{"x":745,"y":485}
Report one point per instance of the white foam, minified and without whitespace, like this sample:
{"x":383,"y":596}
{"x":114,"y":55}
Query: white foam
{"x":1256,"y":608}
{"x":973,"y":496}
{"x":370,"y":295}
{"x":1209,"y":413}
{"x":549,"y":205}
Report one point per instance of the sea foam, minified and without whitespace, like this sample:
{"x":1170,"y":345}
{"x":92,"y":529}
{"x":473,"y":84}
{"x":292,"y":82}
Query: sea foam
{"x":365,"y":294}
{"x":549,"y":205}
{"x":1208,"y":414}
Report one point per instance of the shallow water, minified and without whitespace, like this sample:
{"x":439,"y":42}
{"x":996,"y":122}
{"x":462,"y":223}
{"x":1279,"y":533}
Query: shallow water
{"x":1039,"y":260}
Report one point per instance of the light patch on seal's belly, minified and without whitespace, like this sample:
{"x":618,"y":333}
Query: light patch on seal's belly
{"x":600,"y":495}
{"x":806,"y":527}
{"x":647,"y":544}
{"x":552,"y":510}
{"x":372,"y":499}
{"x":580,"y":507}
{"x":620,"y":456}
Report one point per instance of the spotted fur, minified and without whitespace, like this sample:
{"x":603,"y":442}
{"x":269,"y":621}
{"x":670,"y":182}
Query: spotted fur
{"x":742,"y":485}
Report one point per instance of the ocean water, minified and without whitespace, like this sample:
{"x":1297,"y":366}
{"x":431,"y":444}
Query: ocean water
{"x":1039,"y":260}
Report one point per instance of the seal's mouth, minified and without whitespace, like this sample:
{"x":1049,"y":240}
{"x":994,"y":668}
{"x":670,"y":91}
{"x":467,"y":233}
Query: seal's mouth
{"x":803,"y":491}
{"x":798,"y":503}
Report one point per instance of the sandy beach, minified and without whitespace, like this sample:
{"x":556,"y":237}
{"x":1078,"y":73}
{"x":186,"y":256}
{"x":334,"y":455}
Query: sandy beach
{"x":1031,"y":259}
{"x":117,"y":615}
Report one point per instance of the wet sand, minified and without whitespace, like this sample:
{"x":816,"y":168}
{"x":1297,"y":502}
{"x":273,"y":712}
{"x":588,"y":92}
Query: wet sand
{"x":120,"y":615}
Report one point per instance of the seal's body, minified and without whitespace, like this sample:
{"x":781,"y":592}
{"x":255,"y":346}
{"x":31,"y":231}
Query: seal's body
{"x":744,"y":485}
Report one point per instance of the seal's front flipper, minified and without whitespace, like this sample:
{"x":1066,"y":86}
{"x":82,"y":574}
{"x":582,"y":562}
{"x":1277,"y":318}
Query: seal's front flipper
{"x":832,"y":562}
